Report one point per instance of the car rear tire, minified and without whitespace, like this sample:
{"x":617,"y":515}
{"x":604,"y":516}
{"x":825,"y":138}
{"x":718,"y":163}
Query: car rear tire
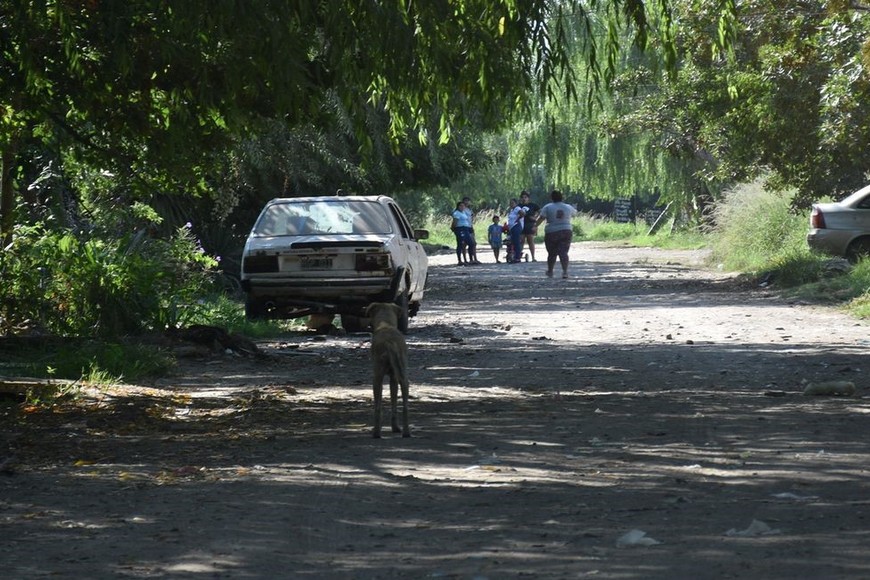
{"x":402,"y":303}
{"x":858,"y":250}
{"x":351,"y":323}
{"x":254,"y":309}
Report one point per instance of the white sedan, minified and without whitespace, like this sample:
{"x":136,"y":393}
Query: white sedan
{"x":842,"y":228}
{"x":333,"y":255}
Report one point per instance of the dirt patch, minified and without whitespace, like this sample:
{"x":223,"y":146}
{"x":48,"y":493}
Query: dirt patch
{"x":642,"y":419}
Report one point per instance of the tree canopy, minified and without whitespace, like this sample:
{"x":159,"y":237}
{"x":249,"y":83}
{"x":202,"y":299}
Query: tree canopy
{"x":117,"y":114}
{"x":154,"y":89}
{"x":787,"y":101}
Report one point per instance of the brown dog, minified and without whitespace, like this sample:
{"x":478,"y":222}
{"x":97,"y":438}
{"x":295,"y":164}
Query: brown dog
{"x":389,"y":356}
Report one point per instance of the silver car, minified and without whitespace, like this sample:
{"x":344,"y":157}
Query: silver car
{"x":333,"y":255}
{"x":842,"y":228}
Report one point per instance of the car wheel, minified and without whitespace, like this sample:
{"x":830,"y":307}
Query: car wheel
{"x":402,"y":303}
{"x":352,"y":323}
{"x":254,"y":309}
{"x":858,"y":250}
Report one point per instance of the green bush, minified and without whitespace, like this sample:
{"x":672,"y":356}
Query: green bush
{"x":78,"y":285}
{"x":228,"y":313}
{"x":603,"y":229}
{"x":757,"y":230}
{"x":795,"y":268}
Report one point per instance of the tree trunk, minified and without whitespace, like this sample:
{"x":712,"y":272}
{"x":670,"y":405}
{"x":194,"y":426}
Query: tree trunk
{"x":7,"y":196}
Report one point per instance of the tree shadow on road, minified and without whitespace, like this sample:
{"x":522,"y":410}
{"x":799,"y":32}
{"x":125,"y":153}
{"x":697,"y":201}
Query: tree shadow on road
{"x":532,"y":453}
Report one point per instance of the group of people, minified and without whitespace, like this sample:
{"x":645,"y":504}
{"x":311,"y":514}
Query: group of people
{"x":524,"y":217}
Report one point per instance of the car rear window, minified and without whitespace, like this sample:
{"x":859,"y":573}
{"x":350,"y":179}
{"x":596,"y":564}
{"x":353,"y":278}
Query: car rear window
{"x":302,"y":218}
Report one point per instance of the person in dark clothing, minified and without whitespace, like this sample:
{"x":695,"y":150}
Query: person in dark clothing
{"x":530,"y":225}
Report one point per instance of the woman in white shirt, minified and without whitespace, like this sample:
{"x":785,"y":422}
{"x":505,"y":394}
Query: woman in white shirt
{"x":558,"y":232}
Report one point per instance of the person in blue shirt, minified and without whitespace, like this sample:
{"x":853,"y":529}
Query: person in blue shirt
{"x":494,"y":235}
{"x":462,"y":230}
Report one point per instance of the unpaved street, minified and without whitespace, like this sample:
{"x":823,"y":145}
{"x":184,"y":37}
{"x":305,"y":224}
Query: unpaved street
{"x":642,"y":419}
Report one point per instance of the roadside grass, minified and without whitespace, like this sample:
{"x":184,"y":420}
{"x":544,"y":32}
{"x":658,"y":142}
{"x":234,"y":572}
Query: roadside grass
{"x":101,"y":362}
{"x":596,"y":228}
{"x":94,"y":362}
{"x":756,"y":233}
{"x":586,"y":227}
{"x":851,"y":289}
{"x":757,"y":230}
{"x":440,"y":234}
{"x":228,"y":313}
{"x":860,"y":306}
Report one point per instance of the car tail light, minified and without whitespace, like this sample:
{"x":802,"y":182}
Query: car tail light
{"x":372,"y":262}
{"x":260,"y":264}
{"x":817,"y":219}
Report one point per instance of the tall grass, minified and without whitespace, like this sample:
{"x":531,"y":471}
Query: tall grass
{"x":757,"y":230}
{"x":601,"y":229}
{"x":596,"y":228}
{"x":440,"y":233}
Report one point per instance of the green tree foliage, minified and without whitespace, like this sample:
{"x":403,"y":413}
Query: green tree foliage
{"x":790,"y":101}
{"x":799,"y":98}
{"x":787,"y":101}
{"x":618,"y":144}
{"x":155,"y":89}
{"x":106,"y":104}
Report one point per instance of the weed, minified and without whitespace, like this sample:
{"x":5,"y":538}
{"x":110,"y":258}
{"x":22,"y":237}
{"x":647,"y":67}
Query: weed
{"x":97,"y":377}
{"x":225,"y":312}
{"x":51,"y":394}
{"x":757,"y":229}
{"x":795,"y":268}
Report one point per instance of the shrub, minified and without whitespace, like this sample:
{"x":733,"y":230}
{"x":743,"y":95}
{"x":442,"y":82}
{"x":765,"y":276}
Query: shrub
{"x":76,"y":285}
{"x":794,"y":268}
{"x":757,"y":229}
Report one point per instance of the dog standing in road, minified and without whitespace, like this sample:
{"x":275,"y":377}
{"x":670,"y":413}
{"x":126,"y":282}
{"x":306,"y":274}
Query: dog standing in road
{"x":389,"y":357}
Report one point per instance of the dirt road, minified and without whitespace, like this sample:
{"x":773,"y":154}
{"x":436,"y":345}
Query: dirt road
{"x":642,"y":419}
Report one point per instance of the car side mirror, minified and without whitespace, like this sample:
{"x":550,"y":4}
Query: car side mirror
{"x":421,"y":234}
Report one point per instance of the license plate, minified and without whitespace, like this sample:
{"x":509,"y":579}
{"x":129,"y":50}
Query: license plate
{"x":309,"y":263}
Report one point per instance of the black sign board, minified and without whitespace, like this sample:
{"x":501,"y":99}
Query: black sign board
{"x":622,"y":211}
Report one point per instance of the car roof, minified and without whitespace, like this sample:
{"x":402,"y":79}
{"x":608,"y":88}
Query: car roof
{"x":377,"y":198}
{"x":855,"y":197}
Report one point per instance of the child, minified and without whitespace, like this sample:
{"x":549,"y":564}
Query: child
{"x":495,"y":240}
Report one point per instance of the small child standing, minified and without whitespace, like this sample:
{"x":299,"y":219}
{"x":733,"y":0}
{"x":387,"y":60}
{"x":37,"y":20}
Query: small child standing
{"x":495,"y":232}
